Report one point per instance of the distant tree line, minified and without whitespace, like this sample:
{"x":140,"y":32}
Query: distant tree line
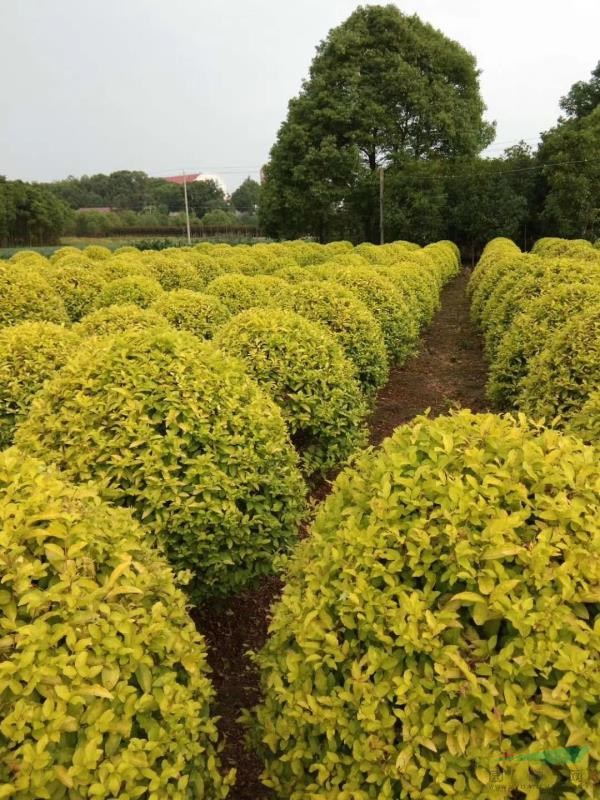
{"x":387,"y":91}
{"x":30,"y":214}
{"x":33,"y":214}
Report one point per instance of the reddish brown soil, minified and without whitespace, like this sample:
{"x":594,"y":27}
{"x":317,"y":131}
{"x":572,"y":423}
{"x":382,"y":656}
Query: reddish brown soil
{"x":449,"y":371}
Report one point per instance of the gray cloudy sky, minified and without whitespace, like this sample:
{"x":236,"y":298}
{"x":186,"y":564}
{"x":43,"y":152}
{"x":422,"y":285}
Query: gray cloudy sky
{"x":92,"y":86}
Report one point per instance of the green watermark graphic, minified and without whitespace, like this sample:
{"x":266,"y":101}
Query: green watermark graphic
{"x":501,"y":771}
{"x":560,"y":755}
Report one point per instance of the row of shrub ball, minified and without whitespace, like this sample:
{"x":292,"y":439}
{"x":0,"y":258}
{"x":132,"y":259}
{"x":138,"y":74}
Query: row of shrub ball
{"x":540,"y":316}
{"x":162,"y":413}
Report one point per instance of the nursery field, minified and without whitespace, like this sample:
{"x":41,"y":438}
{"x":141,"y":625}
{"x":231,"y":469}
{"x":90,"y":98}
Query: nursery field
{"x":300,"y":521}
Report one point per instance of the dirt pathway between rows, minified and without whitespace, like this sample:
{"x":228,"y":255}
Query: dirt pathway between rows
{"x":449,"y":371}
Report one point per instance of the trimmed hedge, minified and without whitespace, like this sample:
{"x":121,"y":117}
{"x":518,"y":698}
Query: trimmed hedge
{"x":586,"y":423}
{"x":353,"y":325}
{"x":303,"y":368}
{"x":444,"y":610}
{"x":200,"y":314}
{"x":26,"y":295}
{"x":30,"y":353}
{"x":119,"y":319}
{"x":137,"y":289}
{"x":79,"y":287}
{"x":170,"y":427}
{"x":240,"y":292}
{"x":529,"y":333}
{"x":528,"y":281}
{"x":97,"y":252}
{"x":561,"y":378}
{"x":103,"y":677}
{"x":172,"y":272}
{"x":377,"y":292}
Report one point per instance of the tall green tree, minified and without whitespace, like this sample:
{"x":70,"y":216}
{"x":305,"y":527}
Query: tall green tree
{"x":583,"y":97}
{"x":246,"y":196}
{"x":483,"y":203}
{"x":30,"y":214}
{"x":570,"y":157}
{"x":383,"y":88}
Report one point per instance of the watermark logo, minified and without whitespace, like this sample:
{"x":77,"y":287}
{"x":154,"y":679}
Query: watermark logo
{"x":560,"y":755}
{"x":502,"y":769}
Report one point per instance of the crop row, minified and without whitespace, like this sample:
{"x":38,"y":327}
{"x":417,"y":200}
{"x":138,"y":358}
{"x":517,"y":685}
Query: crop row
{"x":178,"y":399}
{"x":540,"y":315}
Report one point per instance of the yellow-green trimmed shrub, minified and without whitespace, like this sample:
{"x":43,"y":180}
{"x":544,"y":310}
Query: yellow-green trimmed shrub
{"x":295,"y":274}
{"x":30,"y":353}
{"x":103,"y":677}
{"x":172,"y":272}
{"x":76,"y":260}
{"x":446,"y":257}
{"x":26,"y":294}
{"x":170,"y":427}
{"x":200,"y":314}
{"x":562,"y":377}
{"x":377,"y":292}
{"x":353,"y":325}
{"x":119,"y":319}
{"x":526,"y":282}
{"x":140,"y":290}
{"x":29,"y":258}
{"x":207,"y":268}
{"x":571,"y":248}
{"x":240,"y":292}
{"x":443,"y":611}
{"x":586,"y":422}
{"x":79,"y":287}
{"x":125,"y":265}
{"x":97,"y":252}
{"x":303,"y":368}
{"x":496,"y":252}
{"x":418,"y":290}
{"x":529,"y":333}
{"x":126,"y":248}
{"x":61,"y":252}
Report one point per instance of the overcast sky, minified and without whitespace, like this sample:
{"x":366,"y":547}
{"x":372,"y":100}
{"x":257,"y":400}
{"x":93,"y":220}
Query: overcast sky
{"x":92,"y":86}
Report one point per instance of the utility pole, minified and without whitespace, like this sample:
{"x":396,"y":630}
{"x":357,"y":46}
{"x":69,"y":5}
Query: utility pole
{"x":187,"y":209}
{"x":381,"y":235}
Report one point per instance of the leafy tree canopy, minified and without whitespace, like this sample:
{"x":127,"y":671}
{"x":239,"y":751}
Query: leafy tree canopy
{"x":383,"y":87}
{"x":246,"y":196}
{"x":583,"y":97}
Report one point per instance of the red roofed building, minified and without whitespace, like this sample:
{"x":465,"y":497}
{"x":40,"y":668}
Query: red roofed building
{"x":178,"y":179}
{"x":197,"y":176}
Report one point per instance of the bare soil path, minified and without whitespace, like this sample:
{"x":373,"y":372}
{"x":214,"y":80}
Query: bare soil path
{"x":449,"y":371}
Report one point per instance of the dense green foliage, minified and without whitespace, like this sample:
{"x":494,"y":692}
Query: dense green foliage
{"x":539,"y":315}
{"x":30,"y":353}
{"x":529,"y":333}
{"x":353,"y":325}
{"x":78,"y":287}
{"x":398,"y":324}
{"x":586,"y":423}
{"x":384,"y":88}
{"x":564,"y":374}
{"x":443,"y":611}
{"x":173,"y":429}
{"x":30,"y":214}
{"x":119,"y":319}
{"x":103,"y":677}
{"x":137,"y":289}
{"x":200,"y":314}
{"x":25,"y":294}
{"x":240,"y":292}
{"x":304,"y":369}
